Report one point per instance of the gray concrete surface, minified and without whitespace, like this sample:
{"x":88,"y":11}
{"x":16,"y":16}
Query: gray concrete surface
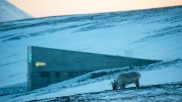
{"x":47,"y":66}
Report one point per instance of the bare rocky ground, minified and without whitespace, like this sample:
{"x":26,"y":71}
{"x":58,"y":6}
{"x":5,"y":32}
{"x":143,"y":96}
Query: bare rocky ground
{"x":154,"y":93}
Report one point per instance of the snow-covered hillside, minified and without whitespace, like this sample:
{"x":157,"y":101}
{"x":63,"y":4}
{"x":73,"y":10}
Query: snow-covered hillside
{"x":9,"y":12}
{"x":149,"y":34}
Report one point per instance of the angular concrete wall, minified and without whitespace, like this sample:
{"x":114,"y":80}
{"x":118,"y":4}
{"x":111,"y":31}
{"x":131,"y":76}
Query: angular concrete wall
{"x":47,"y":66}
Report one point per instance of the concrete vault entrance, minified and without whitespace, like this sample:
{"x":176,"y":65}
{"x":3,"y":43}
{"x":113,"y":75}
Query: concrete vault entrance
{"x":47,"y":66}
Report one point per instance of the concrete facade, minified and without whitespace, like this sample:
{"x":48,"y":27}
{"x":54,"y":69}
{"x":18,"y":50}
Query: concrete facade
{"x":47,"y":66}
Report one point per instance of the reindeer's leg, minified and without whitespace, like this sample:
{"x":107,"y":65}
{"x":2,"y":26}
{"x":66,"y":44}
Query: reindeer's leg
{"x":123,"y":86}
{"x":137,"y":83}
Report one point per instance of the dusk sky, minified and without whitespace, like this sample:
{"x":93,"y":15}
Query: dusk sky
{"x":43,"y":8}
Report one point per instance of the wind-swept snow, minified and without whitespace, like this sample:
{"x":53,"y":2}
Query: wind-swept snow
{"x":149,"y":34}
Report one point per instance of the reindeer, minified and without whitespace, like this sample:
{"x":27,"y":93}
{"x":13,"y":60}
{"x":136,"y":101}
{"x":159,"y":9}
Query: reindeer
{"x":124,"y":79}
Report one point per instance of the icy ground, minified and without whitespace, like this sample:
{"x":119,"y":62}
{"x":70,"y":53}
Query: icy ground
{"x":160,"y":93}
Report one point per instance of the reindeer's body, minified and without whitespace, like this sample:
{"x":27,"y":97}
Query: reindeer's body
{"x":124,"y":79}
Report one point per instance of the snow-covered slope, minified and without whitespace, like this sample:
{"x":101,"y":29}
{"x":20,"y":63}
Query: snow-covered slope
{"x":150,"y":34}
{"x":9,"y":12}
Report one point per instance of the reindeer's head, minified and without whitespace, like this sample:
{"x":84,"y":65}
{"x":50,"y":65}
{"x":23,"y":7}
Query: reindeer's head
{"x":114,"y":84}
